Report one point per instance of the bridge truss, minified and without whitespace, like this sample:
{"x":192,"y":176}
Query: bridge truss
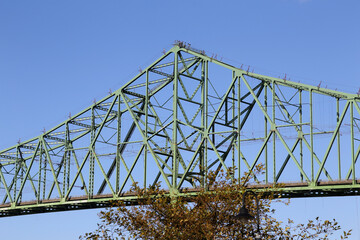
{"x":181,"y":117}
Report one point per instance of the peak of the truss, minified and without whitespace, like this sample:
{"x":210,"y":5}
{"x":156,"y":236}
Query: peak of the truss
{"x":181,"y":46}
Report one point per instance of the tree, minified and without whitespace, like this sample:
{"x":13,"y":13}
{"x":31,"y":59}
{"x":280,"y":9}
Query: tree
{"x":206,"y":215}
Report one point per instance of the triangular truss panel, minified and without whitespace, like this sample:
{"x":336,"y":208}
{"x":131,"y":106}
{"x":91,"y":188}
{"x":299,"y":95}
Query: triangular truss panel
{"x":183,"y":116}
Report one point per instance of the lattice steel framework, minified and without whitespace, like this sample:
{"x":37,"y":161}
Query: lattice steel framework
{"x":186,"y":114}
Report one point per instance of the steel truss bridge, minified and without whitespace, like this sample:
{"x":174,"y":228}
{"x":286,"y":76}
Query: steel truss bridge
{"x":181,"y":117}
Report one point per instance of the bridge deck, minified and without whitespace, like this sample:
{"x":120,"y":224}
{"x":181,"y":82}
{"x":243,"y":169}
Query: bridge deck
{"x":286,"y":190}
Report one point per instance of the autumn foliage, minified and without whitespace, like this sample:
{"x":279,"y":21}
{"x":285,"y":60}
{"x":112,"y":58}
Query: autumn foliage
{"x":206,"y":215}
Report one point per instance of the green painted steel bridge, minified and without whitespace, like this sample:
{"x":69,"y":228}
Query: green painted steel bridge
{"x":181,"y":117}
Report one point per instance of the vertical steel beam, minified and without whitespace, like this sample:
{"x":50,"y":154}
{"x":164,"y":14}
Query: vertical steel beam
{"x":44,"y":175}
{"x":266,"y":132}
{"x":273,"y":129}
{"x":311,"y":136}
{"x":352,"y":141}
{"x":203,"y":116}
{"x":147,"y":102}
{"x":338,"y":137}
{"x":174,"y":147}
{"x":118,"y":146}
{"x":301,"y":133}
{"x":92,"y":158}
{"x":205,"y":123}
{"x":39,"y":175}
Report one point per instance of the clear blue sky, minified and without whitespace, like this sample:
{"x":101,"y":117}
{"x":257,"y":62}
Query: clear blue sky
{"x":56,"y":57}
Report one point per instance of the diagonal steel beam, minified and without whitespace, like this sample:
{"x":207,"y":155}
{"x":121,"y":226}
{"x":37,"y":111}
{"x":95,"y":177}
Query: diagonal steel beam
{"x":335,"y":134}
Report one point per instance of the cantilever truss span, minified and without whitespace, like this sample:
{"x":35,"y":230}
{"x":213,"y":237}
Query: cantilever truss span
{"x":181,"y":117}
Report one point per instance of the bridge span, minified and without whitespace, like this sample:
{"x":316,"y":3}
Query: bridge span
{"x":185,"y":115}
